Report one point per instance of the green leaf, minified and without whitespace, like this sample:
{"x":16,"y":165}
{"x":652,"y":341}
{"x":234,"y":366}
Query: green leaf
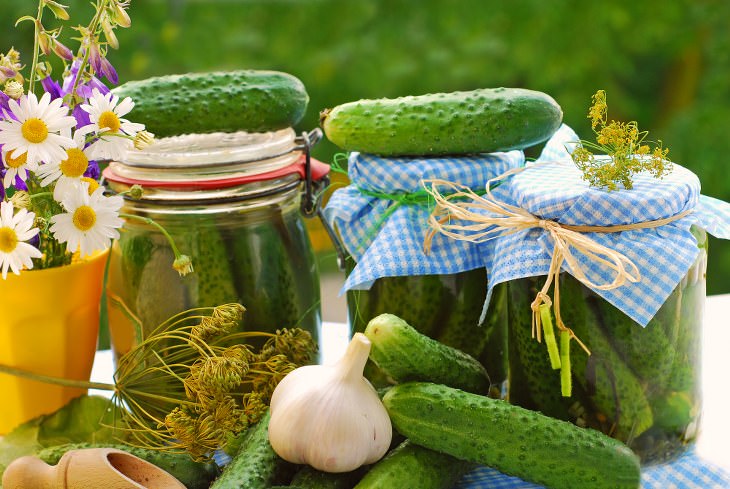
{"x":84,"y":419}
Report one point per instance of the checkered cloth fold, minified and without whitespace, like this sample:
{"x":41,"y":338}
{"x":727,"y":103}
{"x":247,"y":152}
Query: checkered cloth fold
{"x":385,"y":236}
{"x":553,"y":188}
{"x":383,"y":227}
{"x":689,"y":471}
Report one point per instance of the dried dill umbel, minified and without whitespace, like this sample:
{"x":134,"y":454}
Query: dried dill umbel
{"x":625,"y":148}
{"x":195,"y":383}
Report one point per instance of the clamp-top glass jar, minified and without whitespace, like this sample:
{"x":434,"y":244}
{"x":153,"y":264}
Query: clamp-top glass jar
{"x":235,"y":204}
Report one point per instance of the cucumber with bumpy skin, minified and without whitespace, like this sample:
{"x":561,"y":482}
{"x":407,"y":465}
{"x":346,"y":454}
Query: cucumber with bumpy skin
{"x":310,"y":478}
{"x":410,"y":465}
{"x":194,"y":475}
{"x":513,"y":440}
{"x":256,"y":465}
{"x":404,"y":354}
{"x":224,"y":101}
{"x":478,"y":121}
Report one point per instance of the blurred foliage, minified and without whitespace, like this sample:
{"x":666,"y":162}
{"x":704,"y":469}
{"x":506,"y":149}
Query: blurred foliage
{"x":663,"y":64}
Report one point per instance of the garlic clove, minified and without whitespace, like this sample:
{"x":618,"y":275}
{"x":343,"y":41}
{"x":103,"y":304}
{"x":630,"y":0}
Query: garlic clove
{"x":330,"y":416}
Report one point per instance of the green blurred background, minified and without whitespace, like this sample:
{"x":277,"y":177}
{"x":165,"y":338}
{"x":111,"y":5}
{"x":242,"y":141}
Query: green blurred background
{"x":663,"y":64}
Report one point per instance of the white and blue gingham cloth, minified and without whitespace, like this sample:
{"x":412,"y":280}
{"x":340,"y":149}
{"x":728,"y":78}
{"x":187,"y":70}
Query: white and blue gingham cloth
{"x":551,"y":188}
{"x":394,"y":246}
{"x":687,"y":472}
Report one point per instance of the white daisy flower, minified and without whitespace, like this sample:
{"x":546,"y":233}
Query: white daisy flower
{"x":90,"y":221}
{"x":32,"y":128}
{"x":116,"y":135}
{"x":16,"y":167}
{"x":67,"y":173}
{"x":15,"y":229}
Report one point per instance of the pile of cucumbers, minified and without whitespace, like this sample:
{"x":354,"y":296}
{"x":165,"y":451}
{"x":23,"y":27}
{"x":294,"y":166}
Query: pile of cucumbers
{"x":444,"y":431}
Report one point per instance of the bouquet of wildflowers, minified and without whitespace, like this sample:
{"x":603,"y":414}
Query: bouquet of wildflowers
{"x":53,"y":136}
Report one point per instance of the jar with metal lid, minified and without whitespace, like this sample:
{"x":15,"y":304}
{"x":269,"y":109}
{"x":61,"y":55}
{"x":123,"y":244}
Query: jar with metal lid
{"x":235,"y":204}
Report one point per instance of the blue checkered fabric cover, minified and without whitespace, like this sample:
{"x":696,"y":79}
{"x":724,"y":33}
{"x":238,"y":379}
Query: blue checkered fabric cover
{"x":551,"y":188}
{"x":689,"y":471}
{"x":394,"y":246}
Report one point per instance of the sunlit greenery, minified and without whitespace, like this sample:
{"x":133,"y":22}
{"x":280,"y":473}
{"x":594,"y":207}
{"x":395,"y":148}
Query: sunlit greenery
{"x":664,"y":64}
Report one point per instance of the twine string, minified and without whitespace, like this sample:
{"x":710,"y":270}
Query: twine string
{"x":463,"y":215}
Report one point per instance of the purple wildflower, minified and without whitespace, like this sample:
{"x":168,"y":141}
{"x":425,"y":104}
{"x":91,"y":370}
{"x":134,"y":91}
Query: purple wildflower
{"x":52,"y":87}
{"x":85,"y":88}
{"x":93,"y":171}
{"x":109,"y":72}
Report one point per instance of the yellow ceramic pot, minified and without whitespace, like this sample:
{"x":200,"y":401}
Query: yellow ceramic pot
{"x":49,"y":325}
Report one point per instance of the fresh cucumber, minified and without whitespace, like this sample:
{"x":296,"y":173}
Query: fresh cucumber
{"x":404,"y":354}
{"x":410,"y":465}
{"x":513,"y":440}
{"x":310,"y":478}
{"x":243,"y":100}
{"x":256,"y":465}
{"x":477,"y":121}
{"x":194,"y":475}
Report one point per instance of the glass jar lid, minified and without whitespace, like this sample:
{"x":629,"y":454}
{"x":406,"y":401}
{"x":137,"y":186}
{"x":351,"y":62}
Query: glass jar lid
{"x":196,"y":157}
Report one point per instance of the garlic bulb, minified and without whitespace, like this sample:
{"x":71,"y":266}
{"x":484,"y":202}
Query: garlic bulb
{"x":329,"y":416}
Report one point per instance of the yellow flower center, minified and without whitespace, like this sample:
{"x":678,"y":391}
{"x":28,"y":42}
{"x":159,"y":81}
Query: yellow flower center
{"x":15,"y":162}
{"x":93,"y":184}
{"x":8,"y":240}
{"x":34,"y":130}
{"x":75,"y":164}
{"x":109,"y":120}
{"x":84,"y":218}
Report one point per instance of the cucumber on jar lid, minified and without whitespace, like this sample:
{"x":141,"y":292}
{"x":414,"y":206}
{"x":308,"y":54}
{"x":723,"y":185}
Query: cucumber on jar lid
{"x":224,"y":101}
{"x":478,"y":121}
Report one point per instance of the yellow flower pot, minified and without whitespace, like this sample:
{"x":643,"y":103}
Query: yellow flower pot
{"x":48,"y":325}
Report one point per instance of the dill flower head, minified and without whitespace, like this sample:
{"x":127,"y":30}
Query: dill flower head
{"x":624,"y":146}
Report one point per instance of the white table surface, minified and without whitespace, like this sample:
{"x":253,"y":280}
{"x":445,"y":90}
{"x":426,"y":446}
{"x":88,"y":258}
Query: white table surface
{"x":714,"y":441}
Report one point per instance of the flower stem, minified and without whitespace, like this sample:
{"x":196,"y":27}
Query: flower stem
{"x":81,"y":384}
{"x":36,"y":47}
{"x":85,"y":47}
{"x":160,"y":228}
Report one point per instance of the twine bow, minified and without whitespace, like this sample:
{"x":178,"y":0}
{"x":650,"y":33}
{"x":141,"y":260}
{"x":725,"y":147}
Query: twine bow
{"x":464,"y":215}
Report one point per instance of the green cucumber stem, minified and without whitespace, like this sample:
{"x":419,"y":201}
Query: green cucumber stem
{"x":549,"y":334}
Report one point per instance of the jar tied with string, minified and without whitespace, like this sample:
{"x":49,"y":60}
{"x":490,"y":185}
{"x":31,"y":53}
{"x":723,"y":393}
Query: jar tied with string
{"x":381,"y":219}
{"x":605,"y":292}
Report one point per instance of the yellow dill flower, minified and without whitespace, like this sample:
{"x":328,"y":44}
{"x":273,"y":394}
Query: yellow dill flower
{"x":623,"y":144}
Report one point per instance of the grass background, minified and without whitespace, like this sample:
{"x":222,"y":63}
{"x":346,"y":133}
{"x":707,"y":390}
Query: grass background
{"x":663,"y":64}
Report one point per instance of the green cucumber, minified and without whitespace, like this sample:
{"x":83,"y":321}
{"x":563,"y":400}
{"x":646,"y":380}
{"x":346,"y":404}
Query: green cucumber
{"x":513,"y":440}
{"x":460,"y":329}
{"x":215,"y":283}
{"x":194,"y":475}
{"x":310,"y":478}
{"x":404,"y":355}
{"x":477,"y":121}
{"x":616,"y":393}
{"x":410,"y":465}
{"x":256,"y":465}
{"x":243,"y":100}
{"x":647,"y":351}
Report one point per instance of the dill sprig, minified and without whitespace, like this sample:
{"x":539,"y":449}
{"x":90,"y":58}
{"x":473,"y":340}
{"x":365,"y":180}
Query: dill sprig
{"x":627,"y":149}
{"x":195,"y":382}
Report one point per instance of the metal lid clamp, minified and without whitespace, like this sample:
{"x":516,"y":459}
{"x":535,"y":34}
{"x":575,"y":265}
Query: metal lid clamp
{"x":313,"y":189}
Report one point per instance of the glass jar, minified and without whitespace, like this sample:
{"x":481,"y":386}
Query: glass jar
{"x":640,"y":385}
{"x":234,"y":204}
{"x":445,"y":307}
